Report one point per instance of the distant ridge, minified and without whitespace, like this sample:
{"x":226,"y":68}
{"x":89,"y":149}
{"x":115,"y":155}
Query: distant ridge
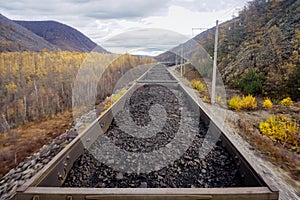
{"x":39,"y":35}
{"x":61,"y":35}
{"x":14,"y":37}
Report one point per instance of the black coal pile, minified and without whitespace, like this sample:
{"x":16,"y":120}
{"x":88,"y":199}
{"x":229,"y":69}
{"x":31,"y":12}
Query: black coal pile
{"x":216,"y":169}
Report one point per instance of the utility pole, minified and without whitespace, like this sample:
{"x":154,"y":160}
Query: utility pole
{"x":184,"y":65}
{"x":181,"y":60}
{"x":214,"y":75}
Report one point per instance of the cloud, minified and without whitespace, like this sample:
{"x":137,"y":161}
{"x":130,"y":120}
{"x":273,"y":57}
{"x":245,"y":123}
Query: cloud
{"x":144,"y":40}
{"x":114,"y":9}
{"x":92,"y":17}
{"x":104,"y":9}
{"x":182,"y":20}
{"x":81,"y":12}
{"x":208,"y":5}
{"x":100,"y":19}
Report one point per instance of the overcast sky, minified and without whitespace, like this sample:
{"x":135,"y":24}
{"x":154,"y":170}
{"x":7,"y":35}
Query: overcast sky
{"x":103,"y":20}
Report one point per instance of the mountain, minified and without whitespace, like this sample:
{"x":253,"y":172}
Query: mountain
{"x":263,"y":40}
{"x":61,"y":35}
{"x":14,"y":37}
{"x":39,"y":35}
{"x":202,"y":38}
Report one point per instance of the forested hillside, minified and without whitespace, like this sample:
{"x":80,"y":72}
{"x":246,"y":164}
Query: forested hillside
{"x":260,"y":46}
{"x":35,"y":85}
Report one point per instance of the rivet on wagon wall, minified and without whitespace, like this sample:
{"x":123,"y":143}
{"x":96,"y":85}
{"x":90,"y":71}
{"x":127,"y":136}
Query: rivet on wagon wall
{"x":60,"y":177}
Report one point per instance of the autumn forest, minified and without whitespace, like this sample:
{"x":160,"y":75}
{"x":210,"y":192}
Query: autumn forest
{"x":35,"y":85}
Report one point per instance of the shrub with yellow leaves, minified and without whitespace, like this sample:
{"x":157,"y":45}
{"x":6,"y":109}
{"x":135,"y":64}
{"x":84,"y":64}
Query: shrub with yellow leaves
{"x":235,"y":103}
{"x":286,"y":102}
{"x":206,"y":99}
{"x":117,"y":96}
{"x":113,"y":99}
{"x":197,"y":85}
{"x":267,"y":103}
{"x":281,"y":129}
{"x":247,"y":103}
{"x":107,"y":105}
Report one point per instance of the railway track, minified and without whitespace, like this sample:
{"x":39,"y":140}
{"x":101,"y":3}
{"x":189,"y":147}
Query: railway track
{"x":149,"y":145}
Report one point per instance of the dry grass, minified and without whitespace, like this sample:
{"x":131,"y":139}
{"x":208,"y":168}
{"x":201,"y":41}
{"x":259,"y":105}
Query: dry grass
{"x":277,"y":153}
{"x":23,"y":141}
